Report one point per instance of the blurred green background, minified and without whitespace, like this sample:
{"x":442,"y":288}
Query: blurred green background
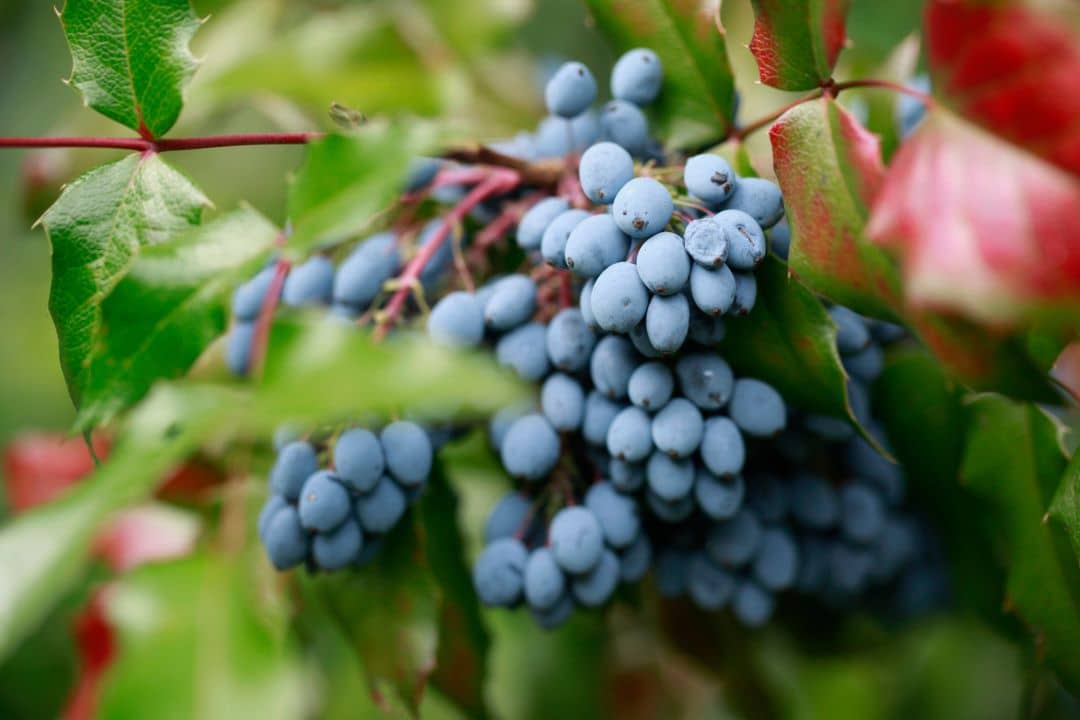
{"x":276,"y":65}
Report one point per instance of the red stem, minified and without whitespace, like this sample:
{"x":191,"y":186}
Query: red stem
{"x":743,"y":132}
{"x":498,"y":180}
{"x":163,"y":145}
{"x":266,"y":316}
{"x":919,"y":95}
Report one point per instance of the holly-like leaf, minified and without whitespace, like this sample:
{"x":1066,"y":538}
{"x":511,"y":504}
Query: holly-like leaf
{"x":829,"y":168}
{"x":169,"y":307}
{"x":347,"y":180}
{"x":197,"y":638}
{"x":96,"y":230}
{"x":789,"y":341}
{"x":311,"y":375}
{"x":1011,"y":68}
{"x":697,"y":103}
{"x":796,"y":42}
{"x":984,"y":228}
{"x":464,"y":642}
{"x":1015,"y":461}
{"x":131,"y":58}
{"x":1065,"y":507}
{"x":390,"y":611}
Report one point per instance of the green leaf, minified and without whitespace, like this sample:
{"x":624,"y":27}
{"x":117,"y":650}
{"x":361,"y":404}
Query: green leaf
{"x":796,"y":42}
{"x":461,"y":668}
{"x":390,"y":611}
{"x":1065,"y":507}
{"x":315,"y":371}
{"x":169,"y":307}
{"x":789,"y":341}
{"x":96,"y":230}
{"x":198,"y":639}
{"x":696,"y":105}
{"x":1014,"y":460}
{"x":347,"y":180}
{"x":131,"y":58}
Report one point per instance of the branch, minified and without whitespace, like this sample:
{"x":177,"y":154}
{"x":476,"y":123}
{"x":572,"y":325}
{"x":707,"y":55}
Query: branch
{"x":543,"y":173}
{"x":163,"y":145}
{"x":743,"y":132}
{"x":919,"y":95}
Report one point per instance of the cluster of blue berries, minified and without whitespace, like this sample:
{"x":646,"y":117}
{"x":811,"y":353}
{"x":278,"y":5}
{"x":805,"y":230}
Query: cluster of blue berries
{"x":332,"y":518}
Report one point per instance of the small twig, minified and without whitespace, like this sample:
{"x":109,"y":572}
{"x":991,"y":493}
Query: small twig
{"x":919,"y":95}
{"x":266,"y":315}
{"x":162,"y":145}
{"x":542,"y":173}
{"x":743,"y":132}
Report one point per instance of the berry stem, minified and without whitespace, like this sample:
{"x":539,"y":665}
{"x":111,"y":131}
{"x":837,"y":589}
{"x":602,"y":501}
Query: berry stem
{"x":499,"y":180}
{"x":163,"y":145}
{"x":919,"y":95}
{"x":266,"y":315}
{"x":743,"y":132}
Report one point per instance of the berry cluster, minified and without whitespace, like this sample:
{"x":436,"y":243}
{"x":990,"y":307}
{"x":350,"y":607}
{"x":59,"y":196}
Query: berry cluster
{"x":333,"y":518}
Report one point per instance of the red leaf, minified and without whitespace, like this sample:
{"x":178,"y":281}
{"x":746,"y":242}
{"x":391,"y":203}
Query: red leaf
{"x":796,"y":42}
{"x":39,"y":466}
{"x":1012,"y":70}
{"x":984,"y":228}
{"x":150,"y":533}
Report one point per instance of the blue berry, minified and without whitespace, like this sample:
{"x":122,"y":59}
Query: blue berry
{"x":422,"y":170}
{"x":663,"y":265}
{"x":556,"y":615}
{"x":507,"y":517}
{"x":734,"y":542}
{"x":745,"y":293}
{"x":533,"y":223}
{"x":361,"y":276}
{"x":324,"y":502}
{"x":625,"y":125}
{"x":706,"y":330}
{"x":595,"y":244}
{"x":713,"y":291}
{"x":444,"y":253}
{"x":457,"y":320}
{"x":672,"y":571}
{"x":408,"y":452}
{"x":639,"y":336}
{"x":678,"y":428}
{"x":285,"y":540}
{"x":752,"y":605}
{"x":576,"y":539}
{"x":563,"y":402}
{"x":294,"y":465}
{"x":585,"y":305}
{"x":852,"y":334}
{"x":705,"y":379}
{"x":600,"y":412}
{"x":722,"y":448}
{"x":667,"y":323}
{"x":511,"y":303}
{"x":710,"y":178}
{"x":358,"y":459}
{"x":651,"y":386}
{"x":619,"y":299}
{"x":706,"y":242}
{"x":499,"y":573}
{"x":596,"y":586}
{"x":311,"y":283}
{"x":746,"y":245}
{"x":553,"y":242}
{"x":776,"y":565}
{"x":670,"y":511}
{"x":269,"y":510}
{"x":767,"y":496}
{"x":630,"y":435}
{"x":585,"y":129}
{"x":503,"y":419}
{"x":626,"y":477}
{"x":719,"y":497}
{"x":380,"y":510}
{"x":814,"y":503}
{"x":642,"y":208}
{"x":637,"y":76}
{"x":780,"y":239}
{"x":758,"y":198}
{"x":604,"y":169}
{"x":544,"y":581}
{"x":569,"y":340}
{"x":669,"y":479}
{"x":238,"y":348}
{"x":530,"y":448}
{"x":708,"y":585}
{"x":757,"y":408}
{"x":248,"y":298}
{"x":634,"y":561}
{"x":613,"y":362}
{"x":866,"y":364}
{"x":338,"y":549}
{"x":525,"y":351}
{"x":570,"y":91}
{"x":616,"y":513}
{"x":862,"y":513}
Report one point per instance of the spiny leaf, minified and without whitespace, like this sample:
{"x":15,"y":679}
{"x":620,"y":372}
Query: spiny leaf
{"x":796,"y":42}
{"x":1014,"y":460}
{"x":226,"y":650}
{"x":131,"y":58}
{"x":1065,"y":507}
{"x":168,"y":308}
{"x":96,"y":230}
{"x":315,"y":372}
{"x":697,"y":103}
{"x":1011,"y":68}
{"x":347,"y":180}
{"x":984,"y":228}
{"x":789,"y":341}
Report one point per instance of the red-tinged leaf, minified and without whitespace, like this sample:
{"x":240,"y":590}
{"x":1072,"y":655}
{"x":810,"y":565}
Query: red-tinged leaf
{"x":796,"y":42}
{"x":829,"y":169}
{"x":39,"y":466}
{"x":984,"y":228}
{"x":1011,"y":69}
